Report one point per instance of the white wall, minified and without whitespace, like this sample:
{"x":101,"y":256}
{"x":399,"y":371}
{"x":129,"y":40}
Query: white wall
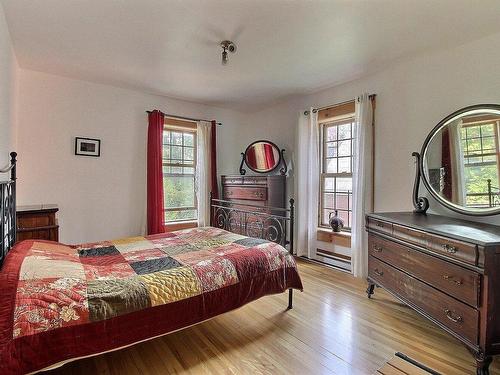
{"x":8,"y":91}
{"x":413,"y":95}
{"x":99,"y":198}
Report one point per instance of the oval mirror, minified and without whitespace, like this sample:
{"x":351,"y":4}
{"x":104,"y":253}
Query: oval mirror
{"x":262,"y":156}
{"x":460,"y":161}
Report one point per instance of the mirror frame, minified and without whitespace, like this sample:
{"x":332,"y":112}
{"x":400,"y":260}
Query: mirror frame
{"x":421,"y":204}
{"x":281,"y":159}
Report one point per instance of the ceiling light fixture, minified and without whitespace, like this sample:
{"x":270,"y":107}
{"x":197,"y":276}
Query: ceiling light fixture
{"x":227,"y":45}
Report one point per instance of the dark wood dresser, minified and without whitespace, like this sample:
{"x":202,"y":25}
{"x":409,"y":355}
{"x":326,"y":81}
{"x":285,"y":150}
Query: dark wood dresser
{"x":446,"y":269}
{"x":37,"y":222}
{"x":258,"y":190}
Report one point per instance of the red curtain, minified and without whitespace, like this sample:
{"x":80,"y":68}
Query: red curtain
{"x":268,"y":152}
{"x":213,"y":160}
{"x":155,"y":215}
{"x":446,"y":163}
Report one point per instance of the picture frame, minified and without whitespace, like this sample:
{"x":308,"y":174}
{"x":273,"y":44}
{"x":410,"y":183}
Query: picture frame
{"x":87,"y":146}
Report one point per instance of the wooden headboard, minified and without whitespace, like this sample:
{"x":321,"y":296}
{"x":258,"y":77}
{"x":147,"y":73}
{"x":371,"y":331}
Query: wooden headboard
{"x":8,"y":209}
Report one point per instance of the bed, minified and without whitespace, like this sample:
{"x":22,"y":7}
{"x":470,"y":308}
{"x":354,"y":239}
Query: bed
{"x":62,"y":302}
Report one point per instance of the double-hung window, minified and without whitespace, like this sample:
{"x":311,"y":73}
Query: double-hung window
{"x":179,"y":171}
{"x":337,"y":143}
{"x":481,"y":151}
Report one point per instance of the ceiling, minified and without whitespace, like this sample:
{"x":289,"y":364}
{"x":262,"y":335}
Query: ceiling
{"x":285,"y":47}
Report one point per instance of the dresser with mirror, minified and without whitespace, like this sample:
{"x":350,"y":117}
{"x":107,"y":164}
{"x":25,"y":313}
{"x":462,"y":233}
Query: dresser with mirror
{"x":265,"y":188}
{"x":445,"y":268}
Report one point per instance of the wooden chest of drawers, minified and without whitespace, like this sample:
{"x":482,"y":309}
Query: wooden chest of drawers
{"x":446,"y":269}
{"x":256,"y":190}
{"x":37,"y":222}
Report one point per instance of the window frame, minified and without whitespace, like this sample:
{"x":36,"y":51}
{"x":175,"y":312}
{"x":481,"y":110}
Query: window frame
{"x":344,"y":119}
{"x":174,"y":125}
{"x":482,"y":152}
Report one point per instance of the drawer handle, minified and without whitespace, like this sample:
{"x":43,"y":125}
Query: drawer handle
{"x":377,"y":248}
{"x":450,"y":248}
{"x":229,"y":192}
{"x":449,"y":315}
{"x":379,"y":224}
{"x":377,"y":272}
{"x":452,"y":280}
{"x":257,"y":194}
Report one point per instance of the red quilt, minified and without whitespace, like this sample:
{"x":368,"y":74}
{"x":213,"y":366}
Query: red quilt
{"x":59,"y":302}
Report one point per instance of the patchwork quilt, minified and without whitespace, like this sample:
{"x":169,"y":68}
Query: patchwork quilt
{"x":59,"y":302}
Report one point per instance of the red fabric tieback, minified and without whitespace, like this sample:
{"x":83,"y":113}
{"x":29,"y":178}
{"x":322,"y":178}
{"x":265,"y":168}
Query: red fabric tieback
{"x":213,"y":160}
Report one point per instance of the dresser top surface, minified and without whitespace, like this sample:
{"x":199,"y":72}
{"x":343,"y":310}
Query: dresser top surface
{"x":469,"y":231}
{"x":37,"y":208}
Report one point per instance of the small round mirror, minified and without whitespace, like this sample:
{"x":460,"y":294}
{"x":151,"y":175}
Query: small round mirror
{"x":460,"y":161}
{"x":262,"y":156}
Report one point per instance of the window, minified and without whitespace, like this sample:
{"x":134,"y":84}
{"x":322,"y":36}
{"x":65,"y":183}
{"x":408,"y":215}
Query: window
{"x":337,"y":133}
{"x":179,"y":170}
{"x":481,"y":162}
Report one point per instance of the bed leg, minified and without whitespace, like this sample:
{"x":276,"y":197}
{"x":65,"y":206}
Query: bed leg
{"x":290,"y":299}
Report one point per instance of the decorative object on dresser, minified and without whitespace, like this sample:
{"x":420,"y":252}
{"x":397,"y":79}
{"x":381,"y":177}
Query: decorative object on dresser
{"x":263,"y":157}
{"x":37,"y":222}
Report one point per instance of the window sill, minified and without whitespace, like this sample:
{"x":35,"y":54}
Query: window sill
{"x":337,"y":238}
{"x":178,"y":225}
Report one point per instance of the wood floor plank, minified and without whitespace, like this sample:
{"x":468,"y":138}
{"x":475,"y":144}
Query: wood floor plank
{"x":332,"y":329}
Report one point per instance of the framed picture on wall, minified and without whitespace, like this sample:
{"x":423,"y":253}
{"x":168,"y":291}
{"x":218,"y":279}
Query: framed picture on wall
{"x":87,"y":146}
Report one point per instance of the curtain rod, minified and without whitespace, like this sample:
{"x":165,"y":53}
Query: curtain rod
{"x":371,"y":97}
{"x":185,"y":118}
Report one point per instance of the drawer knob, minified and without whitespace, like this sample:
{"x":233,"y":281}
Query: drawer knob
{"x":377,"y":272}
{"x":450,"y":248}
{"x":452,"y":280}
{"x":449,"y":315}
{"x":377,"y":248}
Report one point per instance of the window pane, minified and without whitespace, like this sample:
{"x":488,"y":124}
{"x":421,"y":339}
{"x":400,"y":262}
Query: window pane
{"x":179,"y":191}
{"x":188,"y":139}
{"x":188,"y":153}
{"x":329,"y":183}
{"x":488,"y":144}
{"x":176,"y":152}
{"x":488,"y":130}
{"x":166,"y":137}
{"x":328,"y":200}
{"x":342,"y":201}
{"x":344,"y":184}
{"x":180,"y":215}
{"x":188,"y":170}
{"x":331,"y":165}
{"x":166,"y":152}
{"x":331,"y":133}
{"x":344,"y":165}
{"x":176,"y":138}
{"x":345,"y":148}
{"x":344,"y":131}
{"x":331,"y":149}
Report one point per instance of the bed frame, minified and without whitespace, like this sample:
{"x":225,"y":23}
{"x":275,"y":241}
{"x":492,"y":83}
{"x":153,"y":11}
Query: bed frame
{"x":269,"y":223}
{"x":8,"y":209}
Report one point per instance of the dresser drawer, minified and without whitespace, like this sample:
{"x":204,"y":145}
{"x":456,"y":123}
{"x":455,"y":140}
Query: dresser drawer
{"x":379,"y":225}
{"x":34,"y":221}
{"x":413,"y":236}
{"x":458,"y":317}
{"x":232,"y":180}
{"x":454,"y":280}
{"x":459,"y":250}
{"x":246,"y":193}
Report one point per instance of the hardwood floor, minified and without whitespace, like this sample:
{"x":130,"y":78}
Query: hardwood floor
{"x":333,"y":329}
